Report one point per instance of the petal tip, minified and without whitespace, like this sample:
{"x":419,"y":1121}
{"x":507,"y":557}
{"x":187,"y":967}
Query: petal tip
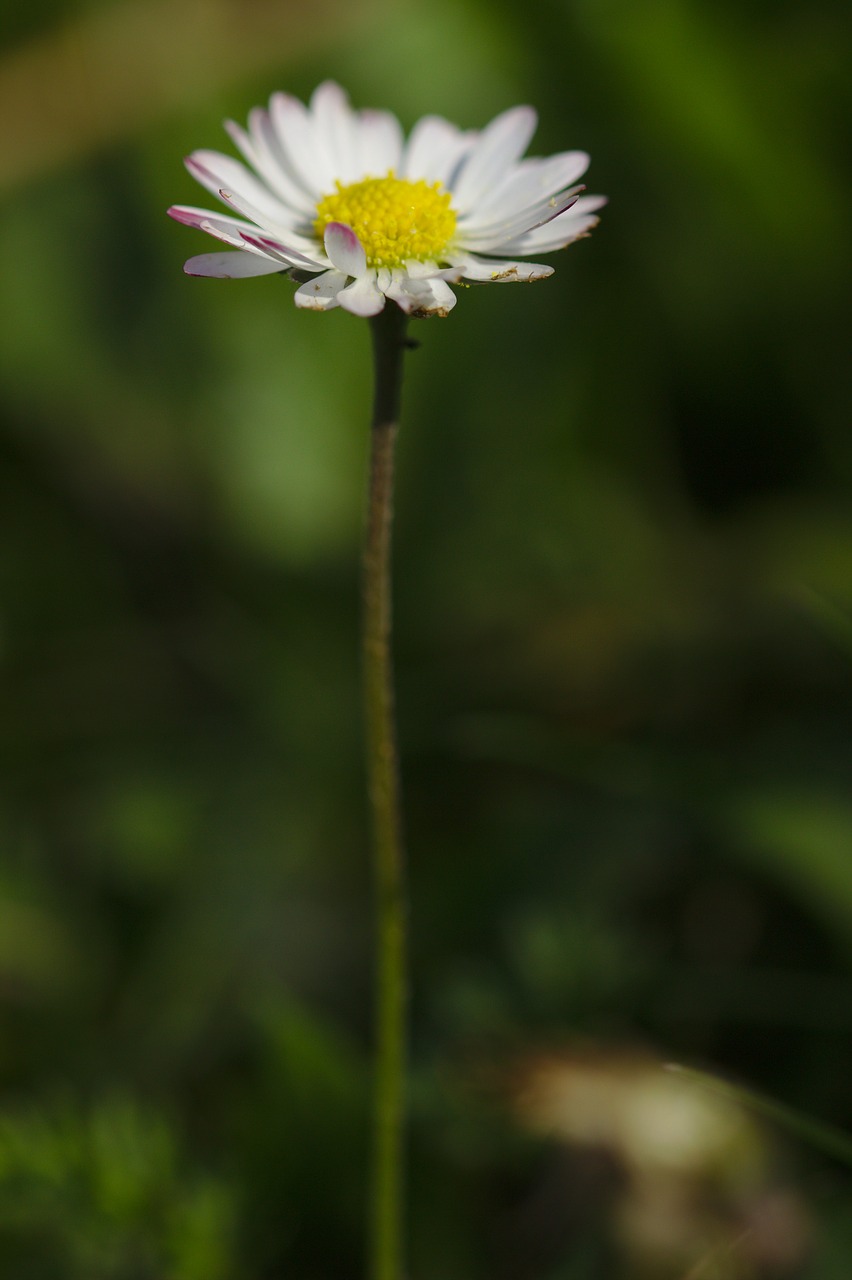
{"x":344,"y":249}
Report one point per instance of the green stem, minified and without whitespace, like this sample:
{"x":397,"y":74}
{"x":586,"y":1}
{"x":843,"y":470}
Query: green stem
{"x":388,"y":332}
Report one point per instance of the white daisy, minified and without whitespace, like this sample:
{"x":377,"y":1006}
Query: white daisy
{"x":342,"y":201}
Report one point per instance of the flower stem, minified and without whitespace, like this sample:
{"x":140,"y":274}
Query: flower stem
{"x":388,"y":333}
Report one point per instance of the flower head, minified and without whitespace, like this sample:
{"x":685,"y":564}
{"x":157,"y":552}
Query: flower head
{"x":358,"y":214}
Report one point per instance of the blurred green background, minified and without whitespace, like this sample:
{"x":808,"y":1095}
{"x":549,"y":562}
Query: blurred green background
{"x":624,"y":658}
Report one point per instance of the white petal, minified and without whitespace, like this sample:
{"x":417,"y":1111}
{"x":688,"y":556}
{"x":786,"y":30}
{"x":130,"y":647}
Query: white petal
{"x":260,"y":243}
{"x":430,"y":271}
{"x":381,"y":143}
{"x":527,"y":215}
{"x":524,"y":185}
{"x":443,"y":298}
{"x":572,"y":225}
{"x":229,"y":230}
{"x":407,"y":293}
{"x":260,"y":147}
{"x":299,"y":243}
{"x":362,"y":297}
{"x":434,"y":150}
{"x":336,"y":131}
{"x":231,"y":266}
{"x":215,"y":171}
{"x":497,"y":234}
{"x":499,"y":145}
{"x":297,"y":137}
{"x":499,"y":271}
{"x":246,"y":236}
{"x":345,"y":249}
{"x":420,"y":297}
{"x":321,"y":294}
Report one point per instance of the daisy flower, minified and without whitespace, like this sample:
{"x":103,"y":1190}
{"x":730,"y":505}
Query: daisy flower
{"x":358,"y":214}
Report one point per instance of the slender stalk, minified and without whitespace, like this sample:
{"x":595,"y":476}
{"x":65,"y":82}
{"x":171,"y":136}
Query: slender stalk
{"x":388,"y":333}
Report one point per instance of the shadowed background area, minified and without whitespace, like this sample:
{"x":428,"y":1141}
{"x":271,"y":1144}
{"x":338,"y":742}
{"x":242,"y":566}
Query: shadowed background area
{"x":624,"y":663}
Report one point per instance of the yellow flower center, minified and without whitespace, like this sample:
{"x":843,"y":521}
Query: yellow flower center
{"x":394,"y":219}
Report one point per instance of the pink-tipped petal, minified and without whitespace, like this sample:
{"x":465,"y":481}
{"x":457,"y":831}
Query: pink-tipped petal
{"x":525,"y":185}
{"x":493,"y":237}
{"x":572,"y":225}
{"x":229,"y":230}
{"x":274,"y":249}
{"x":214,"y":171}
{"x":345,"y":249}
{"x":301,"y":244}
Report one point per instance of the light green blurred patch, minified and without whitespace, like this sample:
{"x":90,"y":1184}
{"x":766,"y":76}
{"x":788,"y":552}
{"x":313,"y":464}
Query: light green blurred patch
{"x":462,"y":61}
{"x":56,"y":370}
{"x":105,"y":1194}
{"x":288,"y":425}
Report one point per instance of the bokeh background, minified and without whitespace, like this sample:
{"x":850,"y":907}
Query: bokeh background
{"x":624,"y":652}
